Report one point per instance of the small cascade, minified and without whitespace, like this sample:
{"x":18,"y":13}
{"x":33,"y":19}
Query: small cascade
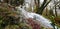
{"x":39,"y":18}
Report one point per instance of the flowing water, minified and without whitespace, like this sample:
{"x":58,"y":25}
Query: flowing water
{"x":42,"y":21}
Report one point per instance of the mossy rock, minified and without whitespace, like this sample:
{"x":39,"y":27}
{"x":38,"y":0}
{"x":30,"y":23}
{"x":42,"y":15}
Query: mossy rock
{"x":25,"y":26}
{"x":10,"y":19}
{"x":8,"y":16}
{"x":21,"y":26}
{"x":57,"y":21}
{"x":12,"y":27}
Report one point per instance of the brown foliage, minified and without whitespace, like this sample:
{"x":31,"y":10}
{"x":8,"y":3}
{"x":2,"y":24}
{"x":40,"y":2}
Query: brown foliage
{"x":34,"y":24}
{"x":57,"y":20}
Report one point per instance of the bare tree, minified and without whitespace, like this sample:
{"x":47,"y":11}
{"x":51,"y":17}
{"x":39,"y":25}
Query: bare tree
{"x":41,"y":8}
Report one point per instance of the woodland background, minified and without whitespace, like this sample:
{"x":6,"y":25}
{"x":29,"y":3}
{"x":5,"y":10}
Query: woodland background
{"x":9,"y":17}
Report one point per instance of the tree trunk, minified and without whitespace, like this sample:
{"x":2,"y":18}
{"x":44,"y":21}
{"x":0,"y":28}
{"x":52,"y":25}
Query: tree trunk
{"x":40,"y":9}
